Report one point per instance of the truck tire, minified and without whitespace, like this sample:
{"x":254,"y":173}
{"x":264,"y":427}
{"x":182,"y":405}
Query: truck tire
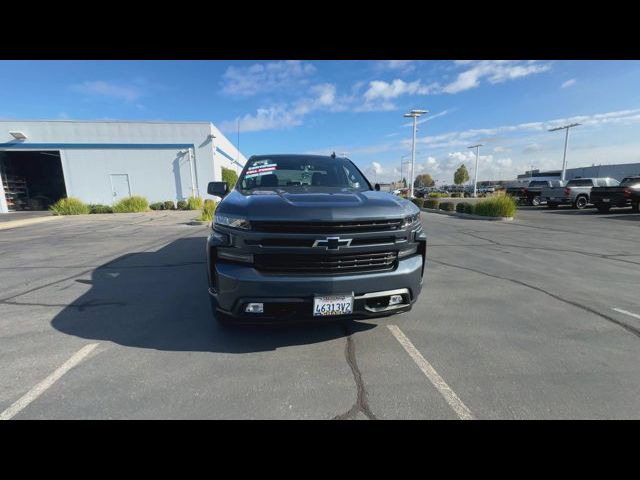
{"x":603,"y":208}
{"x":535,"y":201}
{"x":635,"y":206}
{"x":580,"y":202}
{"x":552,"y":205}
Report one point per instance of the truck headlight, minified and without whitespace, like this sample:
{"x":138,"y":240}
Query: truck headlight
{"x":410,"y":220}
{"x":232,"y":222}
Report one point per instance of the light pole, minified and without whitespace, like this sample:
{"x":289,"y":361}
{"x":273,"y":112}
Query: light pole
{"x":414,"y":114}
{"x":566,"y":140}
{"x":402,"y":162}
{"x":475,"y":174}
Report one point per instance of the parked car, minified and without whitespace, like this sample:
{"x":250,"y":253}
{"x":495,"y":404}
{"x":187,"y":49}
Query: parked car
{"x":532,"y":191}
{"x":577,"y":192}
{"x":627,"y":194}
{"x":309,"y":237}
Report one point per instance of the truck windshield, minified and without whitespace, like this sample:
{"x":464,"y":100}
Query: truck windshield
{"x":295,"y":172}
{"x":539,"y":183}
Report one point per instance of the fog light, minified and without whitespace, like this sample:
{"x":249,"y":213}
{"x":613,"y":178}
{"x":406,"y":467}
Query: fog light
{"x":395,"y":299}
{"x":254,"y":308}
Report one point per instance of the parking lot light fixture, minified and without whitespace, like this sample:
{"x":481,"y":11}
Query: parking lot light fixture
{"x":566,"y":141}
{"x":475,"y":174}
{"x":415,"y":113}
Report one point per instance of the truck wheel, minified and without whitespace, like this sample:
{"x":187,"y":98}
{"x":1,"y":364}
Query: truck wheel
{"x":580,"y":202}
{"x":635,"y":206}
{"x":552,"y":205}
{"x":603,"y":208}
{"x":535,"y":201}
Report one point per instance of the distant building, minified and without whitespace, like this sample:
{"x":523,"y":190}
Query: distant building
{"x":104,"y":161}
{"x":617,"y":171}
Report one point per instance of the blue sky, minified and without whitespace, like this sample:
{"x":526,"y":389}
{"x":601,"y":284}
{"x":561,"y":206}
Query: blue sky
{"x":356,"y":107}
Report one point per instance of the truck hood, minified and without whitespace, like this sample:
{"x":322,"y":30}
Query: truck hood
{"x":315,"y":205}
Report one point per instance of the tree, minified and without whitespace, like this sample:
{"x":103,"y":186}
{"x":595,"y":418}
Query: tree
{"x":404,"y":183}
{"x":229,"y":176}
{"x":461,"y":176}
{"x":423,"y":180}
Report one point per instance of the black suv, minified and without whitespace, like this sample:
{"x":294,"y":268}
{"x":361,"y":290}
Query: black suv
{"x":307,"y":237}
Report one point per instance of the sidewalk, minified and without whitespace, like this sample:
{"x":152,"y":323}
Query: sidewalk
{"x":20,"y":219}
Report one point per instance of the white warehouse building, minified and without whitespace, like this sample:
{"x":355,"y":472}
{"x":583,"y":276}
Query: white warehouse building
{"x":104,"y":161}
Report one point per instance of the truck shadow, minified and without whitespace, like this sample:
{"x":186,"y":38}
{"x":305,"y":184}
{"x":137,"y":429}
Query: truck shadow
{"x":158,"y":300}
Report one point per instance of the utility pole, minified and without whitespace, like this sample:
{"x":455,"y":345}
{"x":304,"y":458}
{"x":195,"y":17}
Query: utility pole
{"x":413,"y":114}
{"x":475,"y":174}
{"x":566,"y":141}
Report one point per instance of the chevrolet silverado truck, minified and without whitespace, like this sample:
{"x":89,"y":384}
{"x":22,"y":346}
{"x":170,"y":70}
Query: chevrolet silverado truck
{"x":307,"y":237}
{"x":627,"y":194}
{"x":576,"y":193}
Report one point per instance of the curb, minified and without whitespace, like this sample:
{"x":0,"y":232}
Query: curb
{"x":468,"y":215}
{"x":27,"y":221}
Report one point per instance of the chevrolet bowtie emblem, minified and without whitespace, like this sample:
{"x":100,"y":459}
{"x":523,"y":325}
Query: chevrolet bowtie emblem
{"x":333,"y":243}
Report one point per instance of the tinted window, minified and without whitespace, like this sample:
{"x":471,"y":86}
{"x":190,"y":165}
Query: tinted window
{"x":584,"y":182}
{"x":538,"y":183}
{"x":301,"y":172}
{"x":630,"y":182}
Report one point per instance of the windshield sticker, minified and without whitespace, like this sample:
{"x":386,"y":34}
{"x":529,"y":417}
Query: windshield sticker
{"x":261,"y":170}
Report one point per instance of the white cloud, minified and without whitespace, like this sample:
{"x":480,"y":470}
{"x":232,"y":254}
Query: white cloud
{"x":265,"y":77}
{"x":532,"y":148}
{"x":568,"y":83}
{"x":495,"y":71}
{"x":377,"y":168}
{"x":379,"y":89}
{"x":405,"y":66}
{"x":500,"y":149}
{"x":286,"y":115}
{"x":103,"y":88}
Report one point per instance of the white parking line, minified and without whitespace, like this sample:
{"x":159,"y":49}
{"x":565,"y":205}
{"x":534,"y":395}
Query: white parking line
{"x":449,"y":395}
{"x":40,"y":388}
{"x":634,"y":315}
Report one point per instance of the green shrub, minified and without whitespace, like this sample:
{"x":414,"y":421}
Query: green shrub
{"x":69,"y":206}
{"x":182,"y":205}
{"x":460,"y":207}
{"x":157,"y":206}
{"x":502,"y":206}
{"x":133,"y":204}
{"x":418,"y":201}
{"x":207,"y":211}
{"x":229,"y":176}
{"x":169,"y":205}
{"x":468,"y":208}
{"x":437,"y":195}
{"x":431,"y":203}
{"x":97,"y":208}
{"x":194,"y":203}
{"x":448,"y":206}
{"x":456,"y":195}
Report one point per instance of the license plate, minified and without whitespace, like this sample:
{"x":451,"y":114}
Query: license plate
{"x":605,"y":200}
{"x":330,"y":305}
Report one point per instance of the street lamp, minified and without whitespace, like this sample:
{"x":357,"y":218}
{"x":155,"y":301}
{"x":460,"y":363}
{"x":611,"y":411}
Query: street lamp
{"x":566,"y":140}
{"x":414,"y":114}
{"x":475,"y":175}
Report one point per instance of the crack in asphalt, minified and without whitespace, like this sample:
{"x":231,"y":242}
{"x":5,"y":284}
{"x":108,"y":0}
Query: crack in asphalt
{"x":629,"y":328}
{"x":362,"y":402}
{"x":80,"y":306}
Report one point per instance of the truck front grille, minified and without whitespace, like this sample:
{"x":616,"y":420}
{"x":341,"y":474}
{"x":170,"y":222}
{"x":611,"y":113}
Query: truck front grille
{"x":328,"y":227}
{"x":340,"y":263}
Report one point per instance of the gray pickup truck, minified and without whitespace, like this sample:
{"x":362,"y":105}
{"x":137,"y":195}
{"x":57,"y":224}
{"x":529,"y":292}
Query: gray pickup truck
{"x":577,"y":192}
{"x":308,"y":237}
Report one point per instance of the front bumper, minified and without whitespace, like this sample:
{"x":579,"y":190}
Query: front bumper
{"x":289,"y":297}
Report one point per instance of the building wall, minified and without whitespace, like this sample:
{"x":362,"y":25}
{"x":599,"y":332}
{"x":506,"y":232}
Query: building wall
{"x":149,"y":152}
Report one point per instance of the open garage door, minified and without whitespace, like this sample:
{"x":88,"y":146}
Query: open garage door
{"x":31,"y":180}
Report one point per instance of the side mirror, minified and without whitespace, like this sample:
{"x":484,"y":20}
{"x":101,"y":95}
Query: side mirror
{"x":219,"y":189}
{"x":377,"y":187}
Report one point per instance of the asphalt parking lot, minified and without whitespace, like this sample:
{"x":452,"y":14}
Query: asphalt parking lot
{"x":107,"y":316}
